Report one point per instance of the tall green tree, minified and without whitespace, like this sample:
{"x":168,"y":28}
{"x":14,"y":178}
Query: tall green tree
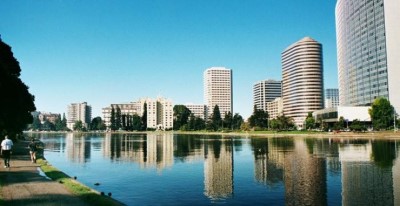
{"x":58,"y":124}
{"x":64,"y":122}
{"x":381,"y":113}
{"x":310,"y":121}
{"x":181,"y":116}
{"x":118,"y":118}
{"x":113,"y":125}
{"x":216,"y":120}
{"x":144,"y":118}
{"x":16,"y":102}
{"x":228,"y":120}
{"x":136,"y":122}
{"x":259,"y":118}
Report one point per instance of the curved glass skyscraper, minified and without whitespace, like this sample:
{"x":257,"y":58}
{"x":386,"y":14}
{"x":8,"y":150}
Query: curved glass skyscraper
{"x":368,"y":51}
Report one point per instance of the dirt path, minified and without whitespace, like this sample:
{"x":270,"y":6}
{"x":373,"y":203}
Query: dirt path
{"x":22,"y":183}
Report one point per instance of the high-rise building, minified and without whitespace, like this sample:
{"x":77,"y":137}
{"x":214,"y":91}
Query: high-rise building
{"x":368,"y":51}
{"x":160,"y":114}
{"x":266,"y":91}
{"x":331,"y":98}
{"x":79,"y":112}
{"x":198,"y":110}
{"x":302,"y":83}
{"x":218,"y":90}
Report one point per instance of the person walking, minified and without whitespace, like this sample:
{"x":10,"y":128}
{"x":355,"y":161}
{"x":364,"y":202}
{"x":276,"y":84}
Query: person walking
{"x":32,"y":150}
{"x":6,"y":146}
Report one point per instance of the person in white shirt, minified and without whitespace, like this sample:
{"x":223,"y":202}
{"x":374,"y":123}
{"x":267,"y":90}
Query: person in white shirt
{"x":6,"y":146}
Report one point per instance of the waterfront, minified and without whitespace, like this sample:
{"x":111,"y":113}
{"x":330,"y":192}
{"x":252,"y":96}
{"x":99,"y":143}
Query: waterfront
{"x":171,"y":169}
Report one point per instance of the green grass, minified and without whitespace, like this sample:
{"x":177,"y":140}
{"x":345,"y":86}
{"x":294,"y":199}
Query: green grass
{"x":88,"y":195}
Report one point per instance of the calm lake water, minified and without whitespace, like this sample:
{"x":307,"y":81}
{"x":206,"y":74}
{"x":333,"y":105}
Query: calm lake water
{"x":171,"y":169}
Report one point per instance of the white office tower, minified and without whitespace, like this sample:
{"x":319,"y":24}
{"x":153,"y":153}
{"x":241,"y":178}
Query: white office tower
{"x":331,"y":98}
{"x":218,"y":90}
{"x":79,"y":112}
{"x":368,"y":51}
{"x":160,"y":114}
{"x":266,"y":91}
{"x":302,"y":79}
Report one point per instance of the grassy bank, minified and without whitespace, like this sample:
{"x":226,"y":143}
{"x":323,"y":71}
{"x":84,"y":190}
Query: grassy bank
{"x":89,"y":196}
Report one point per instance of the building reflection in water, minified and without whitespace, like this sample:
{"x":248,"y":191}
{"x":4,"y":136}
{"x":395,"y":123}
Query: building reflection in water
{"x":367,"y":176}
{"x":78,"y":150}
{"x":218,"y":168}
{"x":149,"y":151}
{"x":291,"y":162}
{"x":369,"y":169}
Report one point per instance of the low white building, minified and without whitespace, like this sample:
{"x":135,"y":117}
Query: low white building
{"x":349,"y":114}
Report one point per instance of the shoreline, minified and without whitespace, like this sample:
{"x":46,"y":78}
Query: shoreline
{"x":369,"y":135}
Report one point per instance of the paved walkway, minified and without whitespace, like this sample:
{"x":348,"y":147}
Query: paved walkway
{"x":22,"y":183}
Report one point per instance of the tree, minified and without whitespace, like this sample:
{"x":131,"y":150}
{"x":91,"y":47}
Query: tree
{"x":16,"y":102}
{"x":48,"y":126}
{"x":118,"y":119}
{"x":181,"y":116}
{"x":136,"y":122}
{"x":357,"y":126}
{"x":259,"y":118}
{"x":97,"y":124}
{"x":113,"y":125}
{"x":237,"y":121}
{"x":36,"y":124}
{"x":144,"y":118}
{"x":228,"y":120}
{"x":216,"y":120}
{"x":284,"y":122}
{"x":58,"y":124}
{"x":310,"y":121}
{"x":78,"y":126}
{"x":340,"y":124}
{"x":381,"y":113}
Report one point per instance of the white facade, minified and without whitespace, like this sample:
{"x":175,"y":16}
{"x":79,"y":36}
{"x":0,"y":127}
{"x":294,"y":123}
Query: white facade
{"x":160,"y":114}
{"x":348,"y":113}
{"x":198,"y":110}
{"x":266,"y":91}
{"x":368,"y":50}
{"x":126,"y":109}
{"x":302,"y":79}
{"x":218,"y":90}
{"x":79,"y":112}
{"x":275,"y":108}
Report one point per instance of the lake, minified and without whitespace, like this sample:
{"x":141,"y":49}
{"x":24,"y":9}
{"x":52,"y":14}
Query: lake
{"x":175,"y":169}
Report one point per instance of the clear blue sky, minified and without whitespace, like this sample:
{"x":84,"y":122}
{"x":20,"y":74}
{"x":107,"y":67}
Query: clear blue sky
{"x":105,"y":52}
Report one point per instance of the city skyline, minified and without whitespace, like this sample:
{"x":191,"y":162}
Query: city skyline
{"x":101,"y":52}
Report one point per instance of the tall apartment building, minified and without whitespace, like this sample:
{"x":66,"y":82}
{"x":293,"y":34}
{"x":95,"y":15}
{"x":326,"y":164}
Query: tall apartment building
{"x":218,"y":90}
{"x":160,"y":114}
{"x":126,"y":109}
{"x":199,"y":110}
{"x":331,"y":98}
{"x":302,"y":82}
{"x":79,"y":112}
{"x":266,"y":91}
{"x":368,"y":51}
